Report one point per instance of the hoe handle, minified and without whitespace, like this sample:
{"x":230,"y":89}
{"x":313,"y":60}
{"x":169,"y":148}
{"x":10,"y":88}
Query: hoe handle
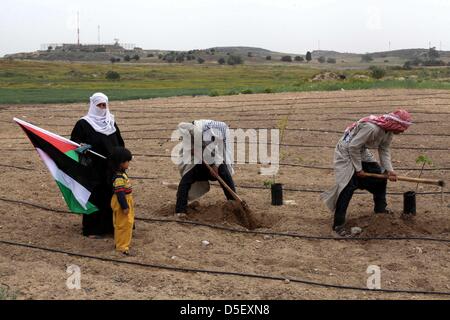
{"x":403,"y":178}
{"x":235,"y":196}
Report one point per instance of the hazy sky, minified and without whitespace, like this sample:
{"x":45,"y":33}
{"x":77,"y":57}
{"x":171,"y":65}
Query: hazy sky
{"x":292,"y":26}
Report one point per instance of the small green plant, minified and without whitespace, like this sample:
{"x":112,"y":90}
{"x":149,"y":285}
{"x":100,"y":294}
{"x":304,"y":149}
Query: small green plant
{"x":377,"y":72}
{"x":424,"y":160}
{"x":6,"y":293}
{"x":268,"y":183}
{"x":247,"y":91}
{"x":214,"y":93}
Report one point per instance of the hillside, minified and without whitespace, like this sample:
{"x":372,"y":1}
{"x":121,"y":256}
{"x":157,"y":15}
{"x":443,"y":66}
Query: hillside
{"x":100,"y":53}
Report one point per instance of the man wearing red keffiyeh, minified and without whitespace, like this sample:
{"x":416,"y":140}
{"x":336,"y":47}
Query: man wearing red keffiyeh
{"x":353,"y":159}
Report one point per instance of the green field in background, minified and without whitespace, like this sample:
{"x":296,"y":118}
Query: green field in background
{"x":27,"y":82}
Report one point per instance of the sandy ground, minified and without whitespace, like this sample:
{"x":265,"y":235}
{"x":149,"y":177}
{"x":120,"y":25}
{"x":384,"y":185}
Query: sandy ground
{"x":147,"y":126}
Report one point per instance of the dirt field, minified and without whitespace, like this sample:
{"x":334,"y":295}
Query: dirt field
{"x":146,"y":126}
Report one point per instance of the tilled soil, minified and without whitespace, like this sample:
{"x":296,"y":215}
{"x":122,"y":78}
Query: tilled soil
{"x":314,"y":124}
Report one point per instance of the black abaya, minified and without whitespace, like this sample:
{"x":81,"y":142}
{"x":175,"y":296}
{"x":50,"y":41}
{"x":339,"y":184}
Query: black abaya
{"x":100,"y":222}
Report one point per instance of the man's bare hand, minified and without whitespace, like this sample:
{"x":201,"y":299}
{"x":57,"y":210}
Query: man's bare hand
{"x":361,"y":174}
{"x":392,"y":176}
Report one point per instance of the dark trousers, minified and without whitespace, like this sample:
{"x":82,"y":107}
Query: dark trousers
{"x":201,"y":173}
{"x":375,"y":186}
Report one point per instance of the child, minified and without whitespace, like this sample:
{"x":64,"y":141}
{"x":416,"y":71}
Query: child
{"x":122,"y":202}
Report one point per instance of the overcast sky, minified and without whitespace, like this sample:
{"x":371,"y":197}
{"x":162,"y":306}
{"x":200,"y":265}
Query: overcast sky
{"x":292,"y":26}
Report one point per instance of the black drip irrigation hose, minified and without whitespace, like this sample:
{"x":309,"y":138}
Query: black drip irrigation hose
{"x":291,"y":129}
{"x":281,"y":164}
{"x":243,"y":231}
{"x":147,"y":155}
{"x":291,"y":234}
{"x":225,"y":273}
{"x":302,"y":190}
{"x":16,"y":167}
{"x":163,"y":140}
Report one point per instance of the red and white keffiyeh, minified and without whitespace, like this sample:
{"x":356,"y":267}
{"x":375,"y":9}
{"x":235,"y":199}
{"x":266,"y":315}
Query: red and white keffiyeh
{"x":397,"y":121}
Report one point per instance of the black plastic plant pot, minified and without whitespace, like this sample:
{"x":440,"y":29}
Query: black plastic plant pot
{"x":409,"y":202}
{"x":277,"y":194}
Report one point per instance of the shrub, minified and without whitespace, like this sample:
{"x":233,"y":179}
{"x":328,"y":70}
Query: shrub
{"x":250,"y":54}
{"x":214,"y":93}
{"x":179,"y":58}
{"x":366,"y":58}
{"x":377,"y":72}
{"x":232,"y":93}
{"x":170,"y":58}
{"x":247,"y":91}
{"x":221,"y":61}
{"x":407,"y":65}
{"x":322,"y":59}
{"x":200,"y":60}
{"x":299,"y":59}
{"x":112,"y":75}
{"x":269,"y":58}
{"x":136,"y":57}
{"x":150,"y":55}
{"x":331,"y":60}
{"x":286,"y":58}
{"x":433,"y":63}
{"x":268,"y":90}
{"x":127,"y":58}
{"x":234,"y":59}
{"x":100,"y":50}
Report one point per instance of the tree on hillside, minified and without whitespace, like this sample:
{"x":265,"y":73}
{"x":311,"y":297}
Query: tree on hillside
{"x":322,"y":59}
{"x":234,"y":59}
{"x":433,"y":54}
{"x":299,"y":59}
{"x":308,"y":56}
{"x":221,"y":61}
{"x":286,"y":58}
{"x":269,"y":58}
{"x":366,"y":58}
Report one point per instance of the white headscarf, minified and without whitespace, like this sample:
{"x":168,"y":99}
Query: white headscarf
{"x":101,"y":120}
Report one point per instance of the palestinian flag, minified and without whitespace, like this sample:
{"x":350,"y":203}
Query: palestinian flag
{"x":75,"y":180}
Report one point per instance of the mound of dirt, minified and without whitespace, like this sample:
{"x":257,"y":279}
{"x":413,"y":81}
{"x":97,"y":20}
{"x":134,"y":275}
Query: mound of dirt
{"x":226,"y":213}
{"x":383,"y":225}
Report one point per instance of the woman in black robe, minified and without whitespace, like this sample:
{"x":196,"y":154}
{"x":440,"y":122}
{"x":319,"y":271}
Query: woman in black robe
{"x":98,"y":129}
